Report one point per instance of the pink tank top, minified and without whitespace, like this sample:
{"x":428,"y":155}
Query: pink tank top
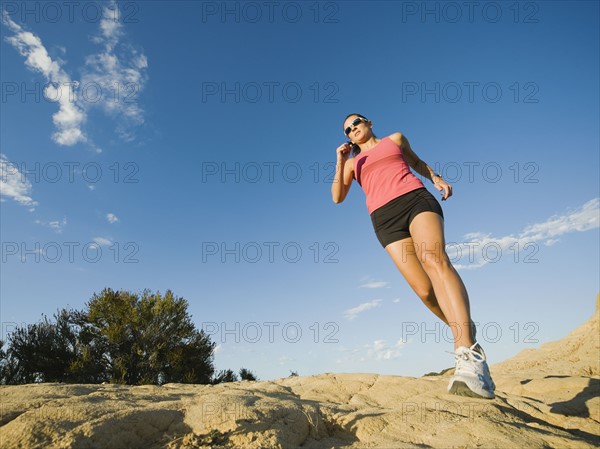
{"x":384,"y":174}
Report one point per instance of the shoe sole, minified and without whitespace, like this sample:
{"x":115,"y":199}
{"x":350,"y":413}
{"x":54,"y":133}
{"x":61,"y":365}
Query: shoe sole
{"x":461,"y":389}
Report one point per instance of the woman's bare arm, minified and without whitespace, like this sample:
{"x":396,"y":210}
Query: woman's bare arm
{"x":344,"y":173}
{"x":418,"y":165}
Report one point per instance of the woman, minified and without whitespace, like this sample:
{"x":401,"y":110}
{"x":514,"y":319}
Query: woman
{"x":408,"y":222}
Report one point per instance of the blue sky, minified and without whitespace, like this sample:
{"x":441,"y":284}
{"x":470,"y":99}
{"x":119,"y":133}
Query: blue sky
{"x":189,"y":146}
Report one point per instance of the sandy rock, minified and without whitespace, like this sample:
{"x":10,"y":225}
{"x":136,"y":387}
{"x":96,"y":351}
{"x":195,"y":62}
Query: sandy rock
{"x":547,"y":397}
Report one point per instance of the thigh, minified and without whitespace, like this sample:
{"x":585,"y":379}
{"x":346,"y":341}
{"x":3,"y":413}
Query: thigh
{"x":404,"y":255}
{"x":427,"y":232}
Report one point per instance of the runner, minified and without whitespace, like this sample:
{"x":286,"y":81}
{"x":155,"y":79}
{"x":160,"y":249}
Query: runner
{"x":409,"y":223}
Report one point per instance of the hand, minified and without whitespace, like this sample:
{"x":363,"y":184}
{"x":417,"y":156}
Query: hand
{"x":343,"y":152}
{"x":443,"y":187}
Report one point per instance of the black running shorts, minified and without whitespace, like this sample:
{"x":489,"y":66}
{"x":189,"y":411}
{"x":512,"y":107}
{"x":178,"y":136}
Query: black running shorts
{"x":392,"y":220}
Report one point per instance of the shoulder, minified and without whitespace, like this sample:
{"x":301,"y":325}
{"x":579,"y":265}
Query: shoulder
{"x":396,"y":138}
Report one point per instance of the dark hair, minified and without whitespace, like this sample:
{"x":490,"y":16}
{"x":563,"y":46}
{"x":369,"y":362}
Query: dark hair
{"x":355,"y":147}
{"x":350,"y":115}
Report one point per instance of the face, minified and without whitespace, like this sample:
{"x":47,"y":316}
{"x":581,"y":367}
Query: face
{"x":359,"y":132}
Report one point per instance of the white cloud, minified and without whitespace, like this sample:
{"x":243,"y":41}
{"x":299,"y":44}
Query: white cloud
{"x":56,"y":225}
{"x":112,"y":218}
{"x":480,"y":249}
{"x":378,"y":350}
{"x":120,"y":72}
{"x":111,"y":79}
{"x":284,"y":360}
{"x":70,"y":117}
{"x":369,"y":282}
{"x":14,"y":185}
{"x":355,"y":311}
{"x":375,"y":284}
{"x":584,"y":219}
{"x":103,"y":241}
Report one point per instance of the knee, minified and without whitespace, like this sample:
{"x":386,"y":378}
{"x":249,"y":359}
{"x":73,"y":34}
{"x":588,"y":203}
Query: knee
{"x":435,"y":262}
{"x":426,"y":294}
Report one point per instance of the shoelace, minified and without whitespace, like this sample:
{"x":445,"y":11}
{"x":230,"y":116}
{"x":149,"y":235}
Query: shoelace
{"x":479,"y":353}
{"x":466,"y":358}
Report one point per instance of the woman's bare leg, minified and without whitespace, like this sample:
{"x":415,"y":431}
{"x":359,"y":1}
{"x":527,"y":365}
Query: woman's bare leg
{"x":427,"y":231}
{"x":405,"y":258}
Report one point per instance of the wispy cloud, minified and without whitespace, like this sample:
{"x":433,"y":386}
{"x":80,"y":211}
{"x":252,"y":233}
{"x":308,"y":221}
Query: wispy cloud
{"x":351,"y":314}
{"x":112,"y":218}
{"x":583,"y":219}
{"x":103,"y":241}
{"x":474,"y":251}
{"x":119,"y":70}
{"x":375,"y":284}
{"x":369,"y":282}
{"x":112,"y":79}
{"x":284,"y":360}
{"x":378,"y":350}
{"x":14,"y":185}
{"x":70,"y":117}
{"x":56,"y":225}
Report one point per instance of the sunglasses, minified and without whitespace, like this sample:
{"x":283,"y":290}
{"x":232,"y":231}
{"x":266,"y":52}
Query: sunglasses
{"x":354,"y":123}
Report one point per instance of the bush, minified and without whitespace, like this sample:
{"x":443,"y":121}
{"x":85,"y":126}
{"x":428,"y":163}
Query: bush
{"x":120,"y":337}
{"x":246,"y":374}
{"x":224,"y":376}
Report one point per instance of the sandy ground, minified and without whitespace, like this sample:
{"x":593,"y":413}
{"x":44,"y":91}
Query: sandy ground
{"x":546,"y":398}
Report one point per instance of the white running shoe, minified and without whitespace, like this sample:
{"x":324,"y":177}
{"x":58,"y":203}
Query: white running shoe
{"x":481,"y":352}
{"x":472,"y":375}
{"x":486,"y":368}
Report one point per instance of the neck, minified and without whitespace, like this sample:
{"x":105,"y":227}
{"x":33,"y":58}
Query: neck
{"x":365,"y":146}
